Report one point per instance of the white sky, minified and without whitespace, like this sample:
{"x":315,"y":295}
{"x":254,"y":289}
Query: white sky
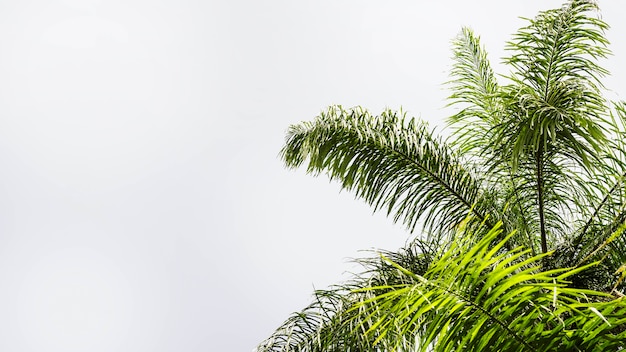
{"x":142,"y":203}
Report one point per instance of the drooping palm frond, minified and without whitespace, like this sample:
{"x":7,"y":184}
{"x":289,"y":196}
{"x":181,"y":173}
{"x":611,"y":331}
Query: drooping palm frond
{"x":391,"y":162}
{"x":475,"y":297}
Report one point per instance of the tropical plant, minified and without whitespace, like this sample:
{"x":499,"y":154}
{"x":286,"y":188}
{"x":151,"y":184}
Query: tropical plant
{"x":522,"y":210}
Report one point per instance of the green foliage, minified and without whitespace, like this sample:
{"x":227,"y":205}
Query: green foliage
{"x":472,"y":296}
{"x":475,"y":297}
{"x":389,"y":161}
{"x":523,"y":213}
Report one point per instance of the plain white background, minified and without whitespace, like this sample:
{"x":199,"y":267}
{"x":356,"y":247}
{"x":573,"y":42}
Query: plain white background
{"x":143,"y":206}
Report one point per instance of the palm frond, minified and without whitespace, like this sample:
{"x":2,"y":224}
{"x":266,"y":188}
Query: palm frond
{"x":608,"y":183}
{"x":475,"y":92}
{"x":391,"y":162}
{"x":557,"y":80}
{"x":323,"y":326}
{"x":474,"y":297}
{"x":596,"y":237}
{"x":329,"y":324}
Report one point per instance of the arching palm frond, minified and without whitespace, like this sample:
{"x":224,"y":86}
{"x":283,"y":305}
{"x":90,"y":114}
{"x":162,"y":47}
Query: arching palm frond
{"x":391,"y":162}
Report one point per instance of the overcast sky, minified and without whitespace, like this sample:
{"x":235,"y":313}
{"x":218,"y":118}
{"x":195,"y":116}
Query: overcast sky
{"x":143,"y":206}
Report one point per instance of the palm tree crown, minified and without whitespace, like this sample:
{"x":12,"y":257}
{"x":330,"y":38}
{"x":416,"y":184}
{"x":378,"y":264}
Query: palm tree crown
{"x":522,"y":214}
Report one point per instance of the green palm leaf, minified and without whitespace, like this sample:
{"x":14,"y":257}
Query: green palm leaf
{"x":475,"y":297}
{"x":475,"y":91}
{"x":557,"y":80}
{"x":391,"y":162}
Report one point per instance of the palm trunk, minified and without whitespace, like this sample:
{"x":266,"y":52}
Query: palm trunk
{"x":542,"y":221}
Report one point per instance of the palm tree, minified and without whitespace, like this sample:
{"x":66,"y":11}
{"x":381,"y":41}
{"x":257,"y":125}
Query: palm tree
{"x":522,"y":210}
